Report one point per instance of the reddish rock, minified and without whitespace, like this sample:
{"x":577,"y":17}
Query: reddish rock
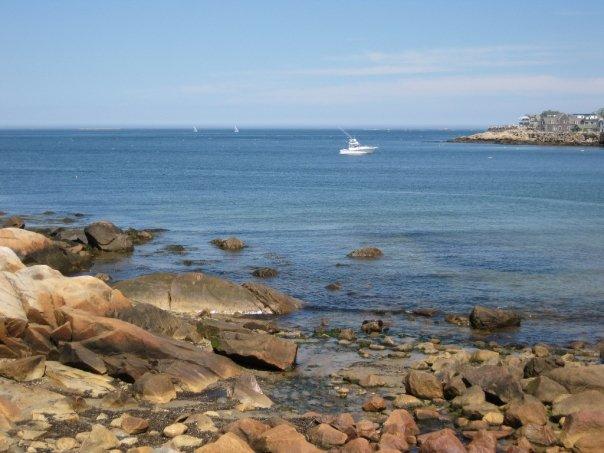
{"x":228,"y":442}
{"x":358,"y":445}
{"x":400,"y":420}
{"x":483,"y":442}
{"x":325,"y":436}
{"x":78,"y":356}
{"x":582,"y":425}
{"x":61,"y":333}
{"x":424,"y":385}
{"x":374,"y":404}
{"x":134,"y":425}
{"x":538,"y":434}
{"x":248,"y":429}
{"x":367,"y":429}
{"x":396,"y":442}
{"x":155,"y":388}
{"x":579,"y":379}
{"x":529,"y":410}
{"x":440,"y":442}
{"x":284,"y":439}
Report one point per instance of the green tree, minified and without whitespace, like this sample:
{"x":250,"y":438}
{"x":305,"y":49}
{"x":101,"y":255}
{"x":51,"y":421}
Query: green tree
{"x":550,"y":112}
{"x":600,"y":112}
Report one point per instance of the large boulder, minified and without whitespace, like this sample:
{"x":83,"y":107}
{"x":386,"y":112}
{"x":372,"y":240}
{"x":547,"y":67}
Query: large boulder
{"x":108,"y":237}
{"x":424,"y":385}
{"x":582,"y":428}
{"x":251,"y":348}
{"x":23,"y":242}
{"x":496,"y":381}
{"x":13,"y":222}
{"x":366,"y":253}
{"x":587,"y":400}
{"x":9,"y":261}
{"x":579,"y":379}
{"x":440,"y":441}
{"x":195,"y":292}
{"x":227,"y":442}
{"x":484,"y":318}
{"x":231,"y":244}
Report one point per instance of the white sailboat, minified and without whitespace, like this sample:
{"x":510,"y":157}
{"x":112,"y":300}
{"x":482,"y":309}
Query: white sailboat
{"x":355,"y":148}
{"x":194,"y":129}
{"x":235,"y":130}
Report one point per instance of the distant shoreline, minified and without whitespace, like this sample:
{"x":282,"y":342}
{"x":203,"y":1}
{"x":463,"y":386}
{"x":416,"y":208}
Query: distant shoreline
{"x":525,"y":136}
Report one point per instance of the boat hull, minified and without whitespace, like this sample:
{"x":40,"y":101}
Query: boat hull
{"x":358,"y":151}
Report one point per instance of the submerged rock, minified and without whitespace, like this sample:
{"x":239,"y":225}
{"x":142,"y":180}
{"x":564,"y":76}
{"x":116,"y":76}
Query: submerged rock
{"x":265,"y":272}
{"x":231,"y":244}
{"x":365,"y":253}
{"x":14,"y":222}
{"x":484,"y":318}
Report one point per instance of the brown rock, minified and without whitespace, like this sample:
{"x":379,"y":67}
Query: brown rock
{"x":99,"y":439}
{"x":367,"y":429}
{"x":365,"y":253}
{"x":248,"y":429}
{"x":265,"y":272}
{"x":483,"y":442}
{"x":228,"y":442}
{"x":535,"y":366}
{"x":587,"y":400}
{"x":22,"y":370}
{"x":400,"y":421}
{"x":578,"y":379}
{"x":134,"y":425}
{"x":155,"y":388}
{"x":358,"y":445}
{"x":374,"y":325}
{"x":529,"y":410}
{"x":325,"y":436}
{"x":396,"y":442}
{"x":78,"y":356}
{"x":14,"y":222}
{"x":582,"y":425}
{"x":545,"y":389}
{"x":538,"y":434}
{"x":231,"y":244}
{"x":374,"y":404}
{"x":484,"y":318}
{"x":61,"y":333}
{"x":440,"y":442}
{"x":495,"y":380}
{"x":458,"y":320}
{"x":424,"y":385}
{"x":284,"y":439}
{"x":276,"y":301}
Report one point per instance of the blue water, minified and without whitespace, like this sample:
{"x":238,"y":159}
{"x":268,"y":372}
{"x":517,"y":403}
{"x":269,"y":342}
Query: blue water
{"x":459,"y":224}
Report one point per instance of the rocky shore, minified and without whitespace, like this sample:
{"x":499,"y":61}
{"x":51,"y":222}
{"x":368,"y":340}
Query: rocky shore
{"x":524,"y":136}
{"x":193,"y":362}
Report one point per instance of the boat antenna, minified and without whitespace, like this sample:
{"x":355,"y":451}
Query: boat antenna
{"x":347,"y":134}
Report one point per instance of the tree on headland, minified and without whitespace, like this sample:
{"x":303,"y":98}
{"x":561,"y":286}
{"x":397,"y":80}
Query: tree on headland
{"x":550,"y":112}
{"x":600,"y":112}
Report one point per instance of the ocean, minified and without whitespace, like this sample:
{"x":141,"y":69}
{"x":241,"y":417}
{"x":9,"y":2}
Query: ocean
{"x":459,"y":224}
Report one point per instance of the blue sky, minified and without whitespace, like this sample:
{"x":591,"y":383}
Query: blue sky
{"x":301,"y":63}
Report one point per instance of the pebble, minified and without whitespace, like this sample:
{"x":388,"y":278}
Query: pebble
{"x":186,"y":441}
{"x":175,"y":429}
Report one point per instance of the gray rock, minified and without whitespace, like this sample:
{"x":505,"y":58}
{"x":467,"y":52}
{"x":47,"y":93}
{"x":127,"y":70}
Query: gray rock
{"x":484,"y":318}
{"x":108,"y":237}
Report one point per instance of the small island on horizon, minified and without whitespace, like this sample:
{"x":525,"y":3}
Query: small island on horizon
{"x":550,"y":127}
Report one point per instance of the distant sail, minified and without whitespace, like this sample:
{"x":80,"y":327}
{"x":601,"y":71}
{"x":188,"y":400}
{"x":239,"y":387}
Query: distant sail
{"x":235,"y":129}
{"x":194,"y":129}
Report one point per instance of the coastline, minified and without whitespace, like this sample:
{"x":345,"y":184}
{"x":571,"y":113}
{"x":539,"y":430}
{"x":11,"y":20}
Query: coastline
{"x":209,"y":379}
{"x":523,"y":136}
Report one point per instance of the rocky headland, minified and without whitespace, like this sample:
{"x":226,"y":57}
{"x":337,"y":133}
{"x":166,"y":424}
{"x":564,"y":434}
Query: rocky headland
{"x":193,"y":362}
{"x":525,"y":136}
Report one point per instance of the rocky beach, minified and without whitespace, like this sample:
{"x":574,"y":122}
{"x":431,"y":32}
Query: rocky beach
{"x":191,"y":361}
{"x":523,"y":136}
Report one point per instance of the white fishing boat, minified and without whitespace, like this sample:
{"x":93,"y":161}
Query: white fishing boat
{"x":355,"y":148}
{"x":235,"y":130}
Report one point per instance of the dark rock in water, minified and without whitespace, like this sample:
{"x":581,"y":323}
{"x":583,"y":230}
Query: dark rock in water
{"x":159,"y":321}
{"x":335,"y":286}
{"x":231,"y":244}
{"x":265,"y":272}
{"x":67,"y":220}
{"x":175,"y":248}
{"x":374,"y":325}
{"x":347,"y":334}
{"x":366,"y":253}
{"x":71,"y":235}
{"x":14,"y":222}
{"x":538,"y":365}
{"x":497,"y":381}
{"x":59,"y":258}
{"x":139,"y":237}
{"x":247,"y":347}
{"x":458,"y":320}
{"x":107,"y":237}
{"x":103,"y":277}
{"x":484,"y":318}
{"x":425,"y":312}
{"x":2,"y":213}
{"x":278,"y":302}
{"x":78,"y":214}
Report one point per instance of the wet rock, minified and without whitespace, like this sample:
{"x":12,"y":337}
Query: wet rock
{"x":139,"y":237}
{"x":231,"y":244}
{"x":334,"y":286}
{"x":374,"y":404}
{"x":578,"y":379}
{"x":373,"y":325}
{"x":22,"y":370}
{"x":228,"y":442}
{"x":587,"y":400}
{"x":347,"y":334}
{"x":325,"y":436}
{"x":366,"y":253}
{"x":528,"y":410}
{"x":453,"y":386}
{"x":439,"y":442}
{"x":134,"y":425}
{"x":425,"y":312}
{"x":423,"y":385}
{"x":483,"y":442}
{"x":13,"y":222}
{"x":484,"y":318}
{"x":76,"y":235}
{"x":582,"y":428}
{"x":458,"y":320}
{"x":265,"y":272}
{"x":195,"y":292}
{"x":545,"y":389}
{"x":175,"y":248}
{"x":107,"y":237}
{"x":155,"y":388}
{"x":496,"y":381}
{"x":405,"y":401}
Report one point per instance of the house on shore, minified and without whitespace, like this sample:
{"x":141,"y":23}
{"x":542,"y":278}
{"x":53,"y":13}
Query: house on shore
{"x":586,"y":122}
{"x":559,"y":122}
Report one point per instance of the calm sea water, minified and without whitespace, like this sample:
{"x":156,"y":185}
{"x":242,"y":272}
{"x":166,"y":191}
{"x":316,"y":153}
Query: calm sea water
{"x":459,"y":224}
